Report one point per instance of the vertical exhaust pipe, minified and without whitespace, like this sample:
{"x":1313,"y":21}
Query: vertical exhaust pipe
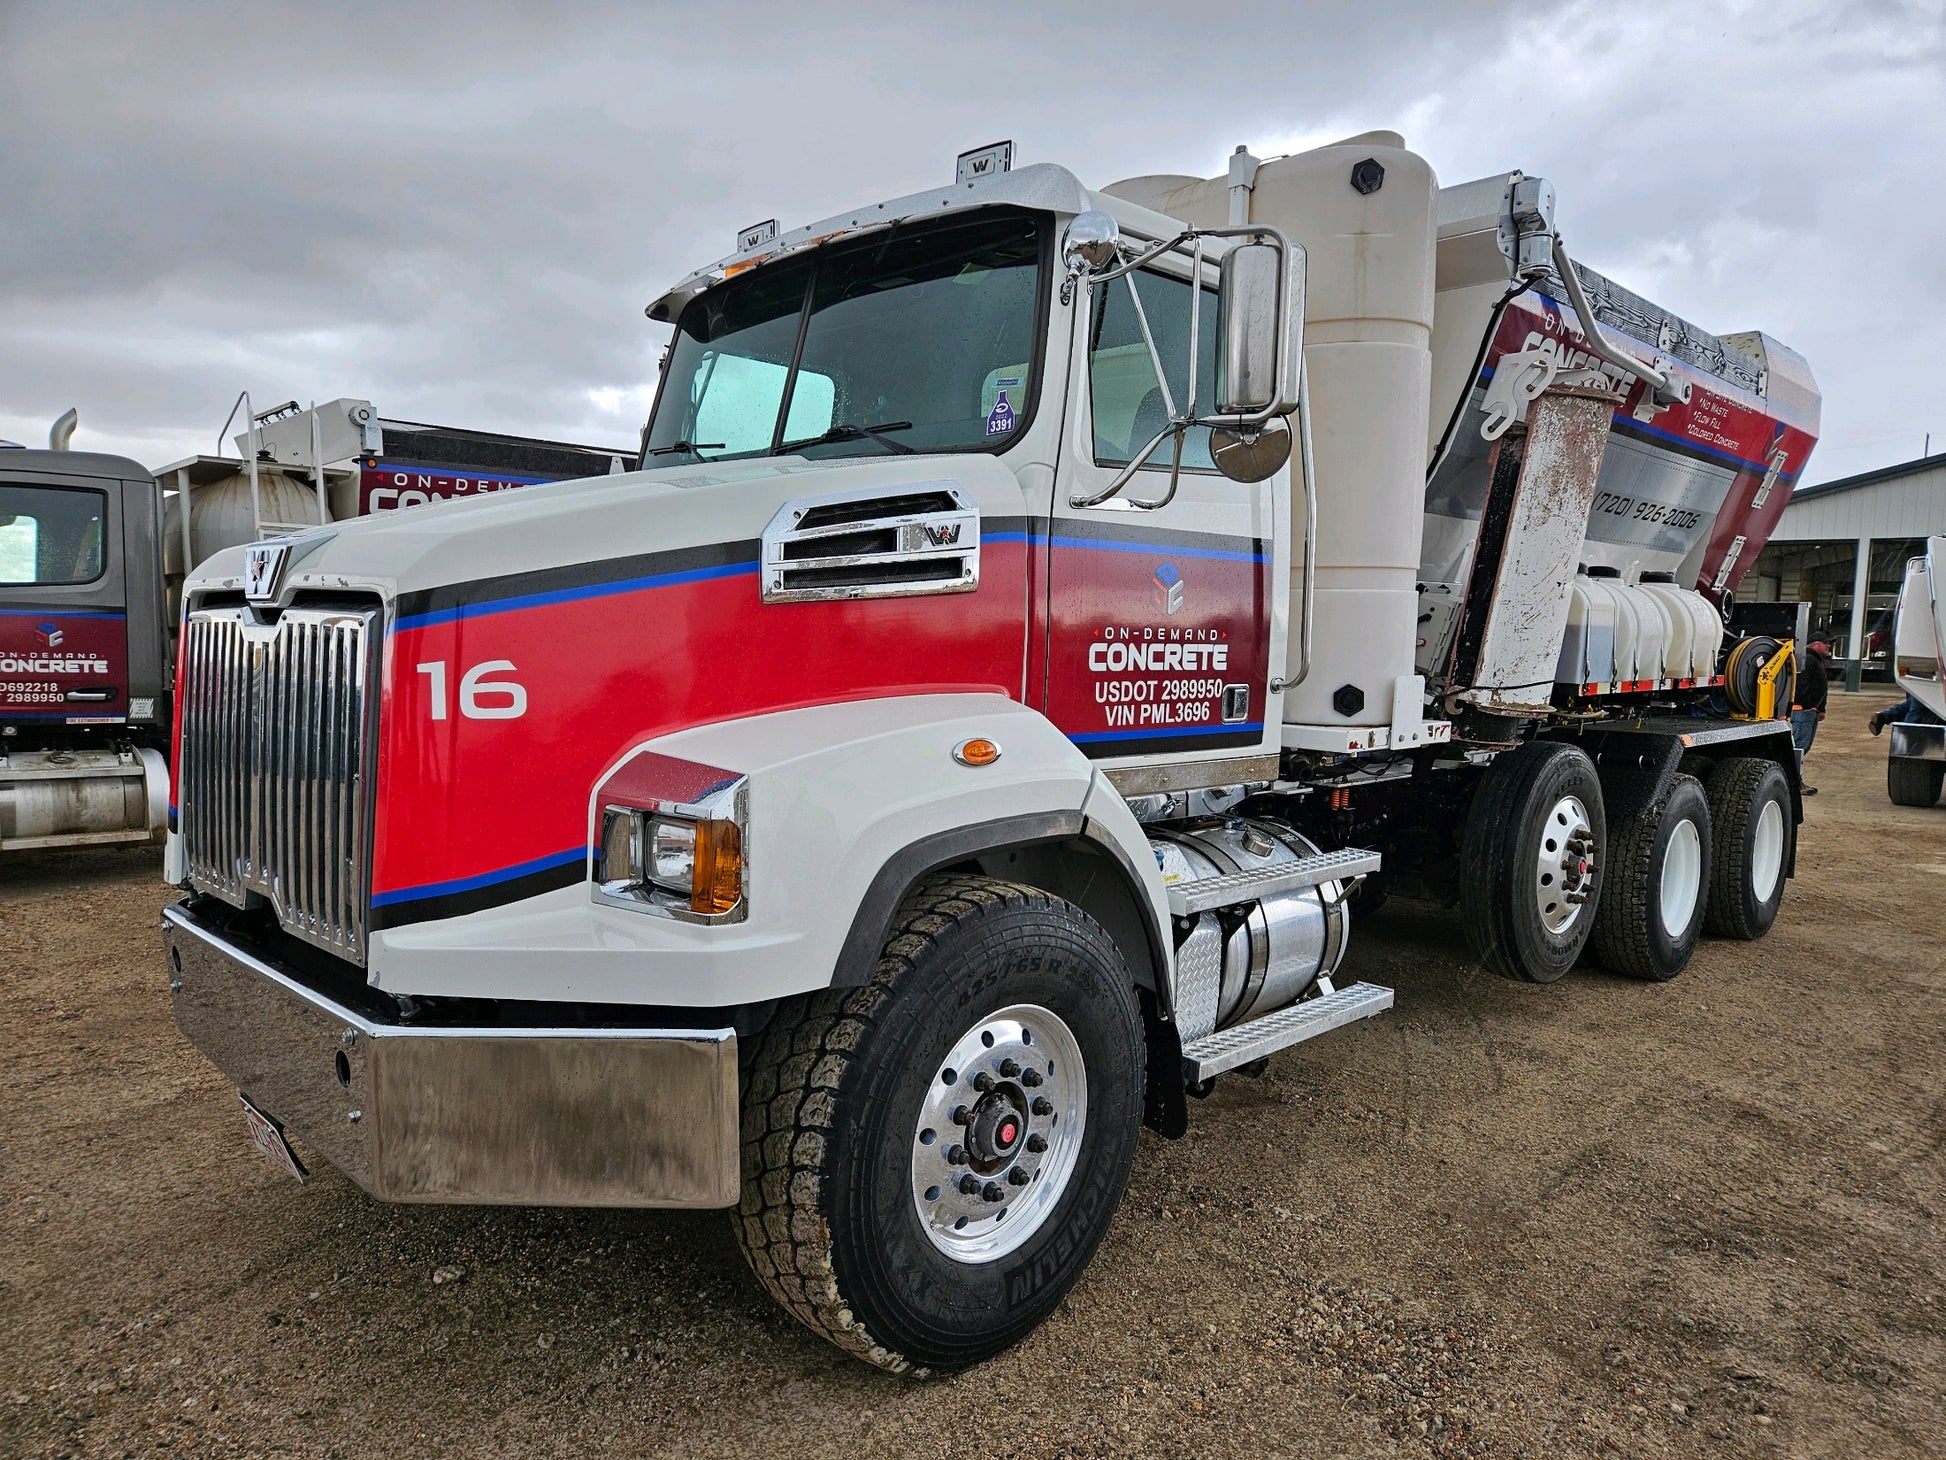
{"x":62,"y":431}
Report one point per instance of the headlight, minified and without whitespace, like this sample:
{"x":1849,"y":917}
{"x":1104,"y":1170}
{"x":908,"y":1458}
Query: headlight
{"x":671,"y":840}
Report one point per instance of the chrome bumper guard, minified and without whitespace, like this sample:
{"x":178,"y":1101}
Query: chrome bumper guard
{"x":543,"y":1117}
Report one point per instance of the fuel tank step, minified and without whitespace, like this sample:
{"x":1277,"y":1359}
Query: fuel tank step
{"x":1186,"y":899}
{"x":1242,"y":1043}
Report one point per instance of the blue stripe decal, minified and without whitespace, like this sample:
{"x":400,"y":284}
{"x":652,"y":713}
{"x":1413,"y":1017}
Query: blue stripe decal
{"x":1253,"y":727}
{"x":485,"y":879}
{"x":10,"y":713}
{"x":570,"y":595}
{"x":52,"y":612}
{"x":1628,"y":424}
{"x":1159,"y":549}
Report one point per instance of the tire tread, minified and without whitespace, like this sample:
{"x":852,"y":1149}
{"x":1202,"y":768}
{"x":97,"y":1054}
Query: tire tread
{"x":1621,"y":935}
{"x":1732,"y":791}
{"x":793,"y":1077}
{"x":1913,"y":782}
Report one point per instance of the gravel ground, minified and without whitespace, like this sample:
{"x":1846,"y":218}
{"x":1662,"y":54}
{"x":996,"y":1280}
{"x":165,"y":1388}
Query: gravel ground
{"x":1597,"y":1218}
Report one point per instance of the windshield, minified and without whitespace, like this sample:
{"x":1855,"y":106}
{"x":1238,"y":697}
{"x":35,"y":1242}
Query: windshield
{"x":916,"y":339}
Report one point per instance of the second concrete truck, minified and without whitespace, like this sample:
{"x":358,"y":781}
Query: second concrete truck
{"x":1043,"y":615}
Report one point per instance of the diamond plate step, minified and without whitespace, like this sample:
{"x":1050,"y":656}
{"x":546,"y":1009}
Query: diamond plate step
{"x":1186,"y":899}
{"x":1242,"y":1043}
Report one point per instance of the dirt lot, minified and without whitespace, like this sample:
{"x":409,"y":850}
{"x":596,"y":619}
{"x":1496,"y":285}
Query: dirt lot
{"x":1594,"y":1218}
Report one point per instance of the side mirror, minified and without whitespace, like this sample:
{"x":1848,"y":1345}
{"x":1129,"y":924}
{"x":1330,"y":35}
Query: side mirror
{"x":1248,"y":329}
{"x":1092,"y":241}
{"x":1250,"y":456}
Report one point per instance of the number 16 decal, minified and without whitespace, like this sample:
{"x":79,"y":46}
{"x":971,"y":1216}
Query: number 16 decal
{"x":480,"y":698}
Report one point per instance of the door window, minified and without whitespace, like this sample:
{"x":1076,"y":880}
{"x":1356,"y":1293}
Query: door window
{"x":1130,"y":405}
{"x":50,"y":536}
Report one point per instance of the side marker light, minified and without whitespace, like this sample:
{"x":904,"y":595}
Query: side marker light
{"x":976,"y":752}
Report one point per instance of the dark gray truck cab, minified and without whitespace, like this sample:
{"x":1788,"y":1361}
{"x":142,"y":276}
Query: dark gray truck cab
{"x":85,"y":669}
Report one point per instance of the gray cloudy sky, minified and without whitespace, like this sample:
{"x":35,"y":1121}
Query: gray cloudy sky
{"x":459,"y":211}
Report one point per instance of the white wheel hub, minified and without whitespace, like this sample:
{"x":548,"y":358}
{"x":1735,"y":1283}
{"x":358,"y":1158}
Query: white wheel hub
{"x":1767,"y":851}
{"x":999,"y":1133}
{"x":1564,"y":872}
{"x":1682,"y":877}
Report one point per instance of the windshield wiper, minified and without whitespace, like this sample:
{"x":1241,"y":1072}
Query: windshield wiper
{"x":854,"y":433}
{"x":692,"y":447}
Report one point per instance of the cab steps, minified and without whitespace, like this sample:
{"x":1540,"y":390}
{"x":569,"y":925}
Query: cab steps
{"x":1226,"y":1049}
{"x":1186,"y":899}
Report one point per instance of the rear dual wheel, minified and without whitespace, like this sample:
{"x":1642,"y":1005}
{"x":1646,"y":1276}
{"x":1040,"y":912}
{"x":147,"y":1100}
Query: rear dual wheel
{"x":1752,"y":833}
{"x":1657,"y":885}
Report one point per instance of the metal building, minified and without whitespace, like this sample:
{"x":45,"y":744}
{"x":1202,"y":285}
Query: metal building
{"x":1846,"y":542}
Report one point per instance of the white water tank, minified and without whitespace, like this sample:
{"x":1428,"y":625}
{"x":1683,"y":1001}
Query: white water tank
{"x":1364,"y":211}
{"x":1588,"y":648}
{"x":1695,"y":628}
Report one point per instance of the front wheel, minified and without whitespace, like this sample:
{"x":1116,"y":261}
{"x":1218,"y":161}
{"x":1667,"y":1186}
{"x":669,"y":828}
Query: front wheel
{"x":1914,"y":782}
{"x":1531,"y":859}
{"x":930,"y":1161}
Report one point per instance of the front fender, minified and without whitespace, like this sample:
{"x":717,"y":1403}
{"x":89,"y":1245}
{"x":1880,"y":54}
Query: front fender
{"x":837,"y":794}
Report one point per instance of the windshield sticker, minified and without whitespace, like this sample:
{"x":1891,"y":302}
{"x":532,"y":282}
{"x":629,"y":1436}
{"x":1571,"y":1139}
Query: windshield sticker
{"x":1000,"y":420}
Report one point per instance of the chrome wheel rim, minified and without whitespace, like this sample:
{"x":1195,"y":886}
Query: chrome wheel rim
{"x":1682,"y":877}
{"x":999,"y":1133}
{"x":1767,"y":851}
{"x":1564,"y":872}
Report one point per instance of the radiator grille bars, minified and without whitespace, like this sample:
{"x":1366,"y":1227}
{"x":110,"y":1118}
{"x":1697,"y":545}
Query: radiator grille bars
{"x":271,"y":789}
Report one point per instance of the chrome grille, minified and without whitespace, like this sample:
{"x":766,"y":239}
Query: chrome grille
{"x":271,"y":786}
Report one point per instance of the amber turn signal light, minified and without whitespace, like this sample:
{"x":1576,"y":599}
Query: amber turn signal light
{"x":976,"y":752}
{"x":717,"y":883}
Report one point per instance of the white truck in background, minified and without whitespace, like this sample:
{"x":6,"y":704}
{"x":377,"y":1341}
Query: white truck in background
{"x":1916,"y":749}
{"x":1043,"y":615}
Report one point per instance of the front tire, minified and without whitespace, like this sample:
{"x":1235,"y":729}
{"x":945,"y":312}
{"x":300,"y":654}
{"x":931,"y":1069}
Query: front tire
{"x":1531,"y":859}
{"x":1914,"y":782}
{"x":1653,"y":897}
{"x":999,"y":1043}
{"x":1751,"y":836}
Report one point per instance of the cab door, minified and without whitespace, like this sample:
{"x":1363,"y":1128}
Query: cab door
{"x":1162,"y":621}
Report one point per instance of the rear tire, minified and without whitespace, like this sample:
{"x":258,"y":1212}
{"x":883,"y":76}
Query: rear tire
{"x":1752,"y":834}
{"x":864,"y":1110}
{"x":1531,"y":860}
{"x":1656,"y":885}
{"x":1914,"y":782}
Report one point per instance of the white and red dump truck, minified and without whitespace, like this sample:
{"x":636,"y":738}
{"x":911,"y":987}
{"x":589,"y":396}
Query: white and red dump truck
{"x":966,"y":737}
{"x":92,"y":553}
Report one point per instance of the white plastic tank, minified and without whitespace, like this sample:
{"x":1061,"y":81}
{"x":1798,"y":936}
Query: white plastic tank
{"x":1588,"y":648}
{"x":1628,"y":620}
{"x":1695,"y":628}
{"x":220,"y":515}
{"x":1368,"y":357}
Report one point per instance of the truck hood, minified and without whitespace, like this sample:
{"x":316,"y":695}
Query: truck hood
{"x":570,"y":524}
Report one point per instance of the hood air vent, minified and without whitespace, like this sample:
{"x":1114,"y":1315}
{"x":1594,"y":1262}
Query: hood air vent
{"x":924,"y":539}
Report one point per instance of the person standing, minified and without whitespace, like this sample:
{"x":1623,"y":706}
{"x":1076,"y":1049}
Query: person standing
{"x":1813,"y":689}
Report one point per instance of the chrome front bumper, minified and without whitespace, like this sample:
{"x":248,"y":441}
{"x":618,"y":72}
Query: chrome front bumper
{"x":549,"y":1117}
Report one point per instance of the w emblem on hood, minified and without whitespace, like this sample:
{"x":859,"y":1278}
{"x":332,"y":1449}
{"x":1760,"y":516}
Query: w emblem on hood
{"x":263,"y":570}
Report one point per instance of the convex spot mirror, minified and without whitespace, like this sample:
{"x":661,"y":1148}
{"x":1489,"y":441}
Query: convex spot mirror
{"x":1250,"y":456}
{"x":1247,"y":329}
{"x":1092,"y":242}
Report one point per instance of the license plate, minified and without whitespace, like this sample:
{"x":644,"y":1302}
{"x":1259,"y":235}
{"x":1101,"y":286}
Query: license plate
{"x":267,"y":1136}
